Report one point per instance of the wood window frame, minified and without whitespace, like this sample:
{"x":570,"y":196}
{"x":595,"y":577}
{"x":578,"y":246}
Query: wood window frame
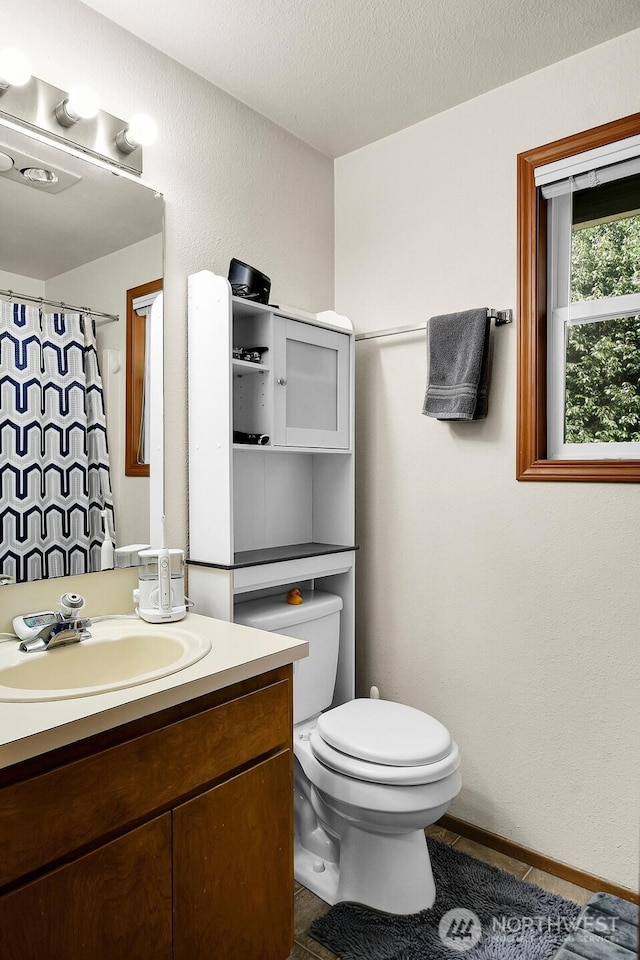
{"x":134,"y":389}
{"x":531,"y":435}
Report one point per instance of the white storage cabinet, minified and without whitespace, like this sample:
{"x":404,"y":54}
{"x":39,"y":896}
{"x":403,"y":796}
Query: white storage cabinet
{"x":266,"y":516}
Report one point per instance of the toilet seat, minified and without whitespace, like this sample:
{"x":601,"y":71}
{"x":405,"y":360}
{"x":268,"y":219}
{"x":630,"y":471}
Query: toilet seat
{"x":384,"y":742}
{"x":381,"y":731}
{"x":383,"y":773}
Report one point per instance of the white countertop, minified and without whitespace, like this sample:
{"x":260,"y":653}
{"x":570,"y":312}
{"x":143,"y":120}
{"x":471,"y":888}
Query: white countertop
{"x":237,"y":653}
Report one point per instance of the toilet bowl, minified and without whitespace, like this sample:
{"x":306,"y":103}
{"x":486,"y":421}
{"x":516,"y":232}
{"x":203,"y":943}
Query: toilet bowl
{"x":364,"y":840}
{"x":369,"y":775}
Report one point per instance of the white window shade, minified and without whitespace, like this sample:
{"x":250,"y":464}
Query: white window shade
{"x":591,"y":168}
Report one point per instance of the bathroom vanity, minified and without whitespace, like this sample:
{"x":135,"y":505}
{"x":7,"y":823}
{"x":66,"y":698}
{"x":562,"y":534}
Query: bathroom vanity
{"x":156,"y":821}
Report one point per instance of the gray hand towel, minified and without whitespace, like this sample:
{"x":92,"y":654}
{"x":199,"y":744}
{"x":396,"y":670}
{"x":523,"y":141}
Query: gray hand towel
{"x":457,"y":383}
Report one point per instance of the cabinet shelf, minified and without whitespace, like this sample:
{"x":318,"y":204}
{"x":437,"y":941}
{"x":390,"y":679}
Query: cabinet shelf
{"x":291,"y":551}
{"x":263,"y":447}
{"x":241,"y":367}
{"x":270,"y":448}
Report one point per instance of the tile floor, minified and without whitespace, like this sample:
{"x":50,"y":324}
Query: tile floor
{"x":308,"y":906}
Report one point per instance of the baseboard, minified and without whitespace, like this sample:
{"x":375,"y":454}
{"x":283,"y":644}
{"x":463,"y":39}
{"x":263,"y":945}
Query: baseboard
{"x":534,"y":859}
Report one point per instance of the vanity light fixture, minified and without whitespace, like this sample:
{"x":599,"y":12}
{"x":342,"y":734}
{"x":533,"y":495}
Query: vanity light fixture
{"x":140,"y":132}
{"x":52,"y":114}
{"x":82,"y":103}
{"x":15,"y":69}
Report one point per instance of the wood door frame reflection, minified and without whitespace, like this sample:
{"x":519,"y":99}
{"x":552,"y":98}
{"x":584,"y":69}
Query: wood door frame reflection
{"x":134,"y":390}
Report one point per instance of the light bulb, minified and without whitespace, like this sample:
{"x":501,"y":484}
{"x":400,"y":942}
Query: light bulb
{"x":83,"y":101}
{"x":142,"y":130}
{"x":15,"y":68}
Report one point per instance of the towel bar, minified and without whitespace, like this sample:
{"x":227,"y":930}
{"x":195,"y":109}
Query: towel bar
{"x":501,"y":318}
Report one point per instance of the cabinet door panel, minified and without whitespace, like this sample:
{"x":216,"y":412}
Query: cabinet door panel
{"x":233,"y":867}
{"x":114,"y":902}
{"x":311,"y":385}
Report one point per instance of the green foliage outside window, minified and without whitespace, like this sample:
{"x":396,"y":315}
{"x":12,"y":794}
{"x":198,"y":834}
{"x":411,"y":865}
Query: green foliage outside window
{"x":602,"y":400}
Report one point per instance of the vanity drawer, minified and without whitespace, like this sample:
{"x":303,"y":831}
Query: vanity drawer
{"x":72,"y":806}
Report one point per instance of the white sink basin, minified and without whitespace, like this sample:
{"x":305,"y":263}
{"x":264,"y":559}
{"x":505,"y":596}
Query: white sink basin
{"x":119,"y":654}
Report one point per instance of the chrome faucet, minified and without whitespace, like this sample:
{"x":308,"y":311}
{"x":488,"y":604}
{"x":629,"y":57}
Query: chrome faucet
{"x":66,"y":626}
{"x":58,"y":634}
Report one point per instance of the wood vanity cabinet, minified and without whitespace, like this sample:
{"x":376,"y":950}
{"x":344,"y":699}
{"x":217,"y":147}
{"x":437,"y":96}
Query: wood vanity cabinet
{"x":166,"y":838}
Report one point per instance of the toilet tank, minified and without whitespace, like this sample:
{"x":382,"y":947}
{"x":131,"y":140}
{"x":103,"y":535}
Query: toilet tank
{"x":317,"y":621}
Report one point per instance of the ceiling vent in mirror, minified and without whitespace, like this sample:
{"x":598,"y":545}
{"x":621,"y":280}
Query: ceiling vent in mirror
{"x":32,"y":171}
{"x":40,"y":175}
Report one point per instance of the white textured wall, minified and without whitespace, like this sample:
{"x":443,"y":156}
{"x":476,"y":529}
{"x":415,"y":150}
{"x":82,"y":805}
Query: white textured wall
{"x":509,"y":610}
{"x":25,"y":285}
{"x":234,"y":183}
{"x":102,"y":284}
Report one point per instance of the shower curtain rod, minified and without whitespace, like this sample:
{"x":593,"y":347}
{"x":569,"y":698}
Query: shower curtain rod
{"x":501,"y":317}
{"x":12,"y":295}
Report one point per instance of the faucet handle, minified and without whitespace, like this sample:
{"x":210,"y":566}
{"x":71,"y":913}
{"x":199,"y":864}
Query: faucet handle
{"x":70,"y":605}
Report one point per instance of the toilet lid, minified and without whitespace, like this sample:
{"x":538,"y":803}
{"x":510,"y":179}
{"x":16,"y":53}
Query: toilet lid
{"x":383,"y":732}
{"x":383,"y":773}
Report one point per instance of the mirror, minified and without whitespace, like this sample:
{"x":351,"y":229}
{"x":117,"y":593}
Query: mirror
{"x":84,"y":240}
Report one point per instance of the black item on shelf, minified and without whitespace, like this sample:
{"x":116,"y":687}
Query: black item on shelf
{"x":248,"y":282}
{"x":256,"y":438}
{"x":250,"y":354}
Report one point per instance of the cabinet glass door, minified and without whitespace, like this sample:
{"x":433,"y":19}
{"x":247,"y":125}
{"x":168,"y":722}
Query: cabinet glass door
{"x":311,"y":383}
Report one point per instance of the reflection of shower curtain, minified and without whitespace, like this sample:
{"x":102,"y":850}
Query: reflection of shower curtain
{"x":54,"y":461}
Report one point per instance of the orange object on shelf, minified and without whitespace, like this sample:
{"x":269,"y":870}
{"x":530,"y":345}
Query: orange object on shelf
{"x":294,"y":596}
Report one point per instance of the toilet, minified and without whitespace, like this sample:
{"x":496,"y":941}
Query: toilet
{"x":369,"y":775}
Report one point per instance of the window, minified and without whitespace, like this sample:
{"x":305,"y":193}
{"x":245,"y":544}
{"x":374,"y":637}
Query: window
{"x":579,"y":289}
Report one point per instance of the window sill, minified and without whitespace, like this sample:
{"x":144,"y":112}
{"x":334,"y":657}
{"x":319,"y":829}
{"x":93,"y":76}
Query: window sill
{"x":585,"y":471}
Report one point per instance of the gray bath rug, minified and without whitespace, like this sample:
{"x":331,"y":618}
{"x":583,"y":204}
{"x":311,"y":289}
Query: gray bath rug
{"x":607,"y":930}
{"x":496,"y":917}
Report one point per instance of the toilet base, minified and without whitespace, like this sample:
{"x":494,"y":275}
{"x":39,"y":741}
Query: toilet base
{"x":318,"y":875}
{"x":389,"y":873}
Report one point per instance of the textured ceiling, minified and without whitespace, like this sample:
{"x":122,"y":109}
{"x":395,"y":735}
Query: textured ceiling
{"x":342,"y":73}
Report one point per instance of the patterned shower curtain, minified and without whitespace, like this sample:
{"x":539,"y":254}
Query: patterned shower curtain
{"x":54,"y":460}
